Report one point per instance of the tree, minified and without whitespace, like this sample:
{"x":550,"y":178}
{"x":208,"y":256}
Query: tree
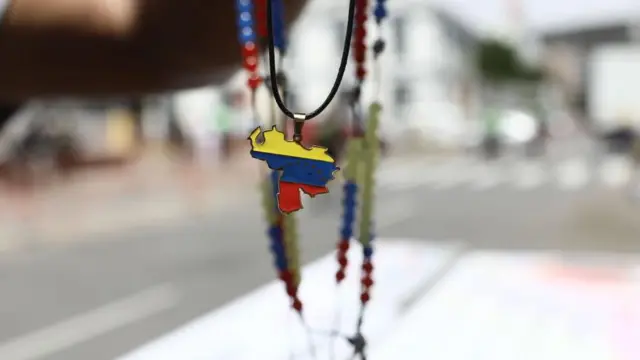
{"x":498,"y":62}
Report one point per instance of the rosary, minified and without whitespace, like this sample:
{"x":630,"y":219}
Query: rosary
{"x":295,"y":168}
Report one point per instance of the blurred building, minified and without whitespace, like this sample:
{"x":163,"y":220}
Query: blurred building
{"x":567,"y":51}
{"x":427,"y":62}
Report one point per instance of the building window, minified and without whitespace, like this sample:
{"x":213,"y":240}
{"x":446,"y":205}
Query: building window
{"x":400,"y":33}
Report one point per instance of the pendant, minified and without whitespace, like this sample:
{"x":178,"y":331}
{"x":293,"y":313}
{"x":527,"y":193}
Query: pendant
{"x":306,"y":170}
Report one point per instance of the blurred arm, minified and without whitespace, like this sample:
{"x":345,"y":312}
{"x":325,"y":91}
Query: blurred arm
{"x":104,"y":47}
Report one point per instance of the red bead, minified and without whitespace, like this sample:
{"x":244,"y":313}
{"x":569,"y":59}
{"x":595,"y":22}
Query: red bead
{"x":366,"y":281}
{"x":364,"y":298}
{"x":254,"y":81}
{"x":249,"y":49}
{"x":343,"y":246}
{"x":297,"y":304}
{"x":359,"y":47}
{"x":286,"y":276}
{"x":360,"y":34}
{"x":342,"y":260}
{"x":251,"y":64}
{"x":361,"y":72}
{"x":340,"y":276}
{"x":292,"y":290}
{"x":367,"y":267}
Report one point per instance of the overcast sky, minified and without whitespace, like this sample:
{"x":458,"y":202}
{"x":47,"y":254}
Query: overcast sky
{"x":489,"y":15}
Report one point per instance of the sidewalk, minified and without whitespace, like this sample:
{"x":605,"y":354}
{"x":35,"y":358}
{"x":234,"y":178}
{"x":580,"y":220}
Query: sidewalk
{"x":153,"y":191}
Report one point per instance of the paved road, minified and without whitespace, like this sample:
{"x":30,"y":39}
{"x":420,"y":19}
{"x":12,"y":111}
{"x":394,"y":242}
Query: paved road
{"x":102,"y":295}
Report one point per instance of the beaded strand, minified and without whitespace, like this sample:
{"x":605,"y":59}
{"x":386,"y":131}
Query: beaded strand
{"x":247,"y":37}
{"x":353,"y":169}
{"x":359,"y":39}
{"x":371,"y":140}
{"x":283,"y":229}
{"x":350,"y":187}
{"x":247,"y":23}
{"x":288,"y":221}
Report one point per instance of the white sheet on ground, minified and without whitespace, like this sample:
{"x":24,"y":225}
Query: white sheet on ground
{"x":503,"y":306}
{"x":260,"y":326}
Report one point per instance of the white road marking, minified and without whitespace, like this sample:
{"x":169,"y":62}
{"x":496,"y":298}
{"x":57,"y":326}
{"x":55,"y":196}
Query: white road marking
{"x":573,"y":174}
{"x":528,"y":176}
{"x":90,"y":325}
{"x":489,"y":176}
{"x":616,"y":172}
{"x":569,"y":175}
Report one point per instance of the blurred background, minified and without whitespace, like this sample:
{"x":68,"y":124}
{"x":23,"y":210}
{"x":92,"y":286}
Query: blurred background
{"x":509,"y":124}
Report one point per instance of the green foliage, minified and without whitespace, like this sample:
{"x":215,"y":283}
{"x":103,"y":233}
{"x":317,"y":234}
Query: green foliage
{"x":497,"y":61}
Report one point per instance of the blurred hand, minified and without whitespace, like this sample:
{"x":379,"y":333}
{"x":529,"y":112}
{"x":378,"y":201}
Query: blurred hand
{"x":104,"y":47}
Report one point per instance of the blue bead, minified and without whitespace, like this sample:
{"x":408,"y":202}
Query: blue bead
{"x":281,"y":264}
{"x":367,"y":252}
{"x":245,"y":38}
{"x":275,"y":233}
{"x":277,"y":251}
{"x":349,"y":218}
{"x":279,"y":38}
{"x":244,"y":3}
{"x":380,"y":12}
{"x":346,"y":233}
{"x":242,"y":23}
{"x":275,"y":179}
{"x":277,"y":245}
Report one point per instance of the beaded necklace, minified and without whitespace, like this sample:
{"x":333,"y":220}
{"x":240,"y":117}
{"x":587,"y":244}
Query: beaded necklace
{"x":261,"y":22}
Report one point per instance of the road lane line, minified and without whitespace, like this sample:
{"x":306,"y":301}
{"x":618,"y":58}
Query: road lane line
{"x":573,"y":174}
{"x":616,"y":172}
{"x":84,"y":327}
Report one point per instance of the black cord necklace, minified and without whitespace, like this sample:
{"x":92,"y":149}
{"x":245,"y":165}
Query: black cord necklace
{"x":299,"y":118}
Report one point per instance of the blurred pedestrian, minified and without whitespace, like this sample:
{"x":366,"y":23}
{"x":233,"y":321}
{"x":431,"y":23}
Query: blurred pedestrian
{"x":491,"y":137}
